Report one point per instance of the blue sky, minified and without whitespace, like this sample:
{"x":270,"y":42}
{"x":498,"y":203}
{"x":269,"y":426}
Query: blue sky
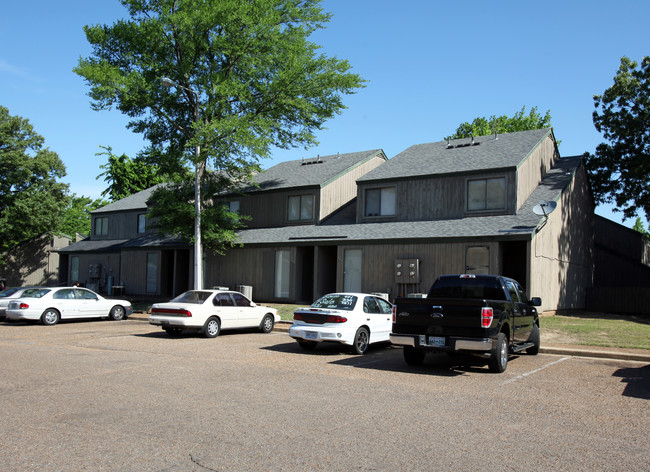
{"x":430,"y":66}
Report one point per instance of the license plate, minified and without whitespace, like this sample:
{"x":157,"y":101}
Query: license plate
{"x":310,"y":335}
{"x":436,"y":341}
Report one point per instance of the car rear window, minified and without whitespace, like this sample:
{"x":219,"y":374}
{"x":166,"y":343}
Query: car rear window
{"x":467,"y":288}
{"x":192,"y":296}
{"x":336,"y":302}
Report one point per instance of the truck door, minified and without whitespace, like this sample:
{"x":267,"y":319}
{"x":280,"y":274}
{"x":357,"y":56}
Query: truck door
{"x":521,"y":325}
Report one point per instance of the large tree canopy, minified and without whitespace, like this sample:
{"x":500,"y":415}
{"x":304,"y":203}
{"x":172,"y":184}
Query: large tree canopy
{"x":247,"y":79}
{"x":32,"y":201}
{"x":620,"y":169}
{"x":127,"y":176}
{"x":482,"y":126}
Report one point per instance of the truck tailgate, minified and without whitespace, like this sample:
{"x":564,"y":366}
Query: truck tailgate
{"x":440,"y":317}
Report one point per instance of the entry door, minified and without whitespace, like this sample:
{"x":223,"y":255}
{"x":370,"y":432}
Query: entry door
{"x":352,"y":270}
{"x":477,"y":260}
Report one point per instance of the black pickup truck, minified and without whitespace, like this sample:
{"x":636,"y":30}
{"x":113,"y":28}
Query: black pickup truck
{"x":485,"y":315}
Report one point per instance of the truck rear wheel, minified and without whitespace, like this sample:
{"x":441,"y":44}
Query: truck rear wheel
{"x":413,"y":356}
{"x":499,"y":355}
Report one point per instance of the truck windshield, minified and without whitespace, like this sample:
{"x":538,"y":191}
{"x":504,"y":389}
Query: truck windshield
{"x":478,"y":288}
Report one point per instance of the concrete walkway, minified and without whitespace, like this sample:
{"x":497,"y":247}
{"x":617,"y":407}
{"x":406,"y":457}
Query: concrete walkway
{"x":640,"y":355}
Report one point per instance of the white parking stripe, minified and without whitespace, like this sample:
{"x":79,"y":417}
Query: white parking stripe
{"x":521,"y":376}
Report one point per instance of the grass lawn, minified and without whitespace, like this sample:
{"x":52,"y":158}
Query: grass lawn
{"x":597,"y":329}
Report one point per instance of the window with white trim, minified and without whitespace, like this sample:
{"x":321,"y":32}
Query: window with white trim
{"x":101,"y":226}
{"x":486,"y":194}
{"x":380,"y":201}
{"x":300,"y":208}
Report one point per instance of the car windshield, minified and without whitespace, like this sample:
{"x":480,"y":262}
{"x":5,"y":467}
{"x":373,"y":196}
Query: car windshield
{"x":336,"y":301}
{"x":40,"y":292}
{"x":192,"y":296}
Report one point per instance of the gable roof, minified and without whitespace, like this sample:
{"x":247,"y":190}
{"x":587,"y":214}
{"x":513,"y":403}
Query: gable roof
{"x":519,"y":226}
{"x":460,"y":155}
{"x":312,"y":172}
{"x":137,"y":201}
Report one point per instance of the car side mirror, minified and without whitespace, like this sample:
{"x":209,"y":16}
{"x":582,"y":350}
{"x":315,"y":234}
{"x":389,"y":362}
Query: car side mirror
{"x":535,"y":301}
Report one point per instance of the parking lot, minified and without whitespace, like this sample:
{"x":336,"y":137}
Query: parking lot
{"x":103,"y":395}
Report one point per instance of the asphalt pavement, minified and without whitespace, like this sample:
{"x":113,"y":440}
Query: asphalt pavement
{"x":640,"y":355}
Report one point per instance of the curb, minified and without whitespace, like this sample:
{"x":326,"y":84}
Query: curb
{"x":556,"y":349}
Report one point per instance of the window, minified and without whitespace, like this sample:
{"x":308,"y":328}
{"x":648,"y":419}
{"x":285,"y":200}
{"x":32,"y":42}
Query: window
{"x":380,"y":201}
{"x":301,"y":208}
{"x":74,"y":268}
{"x":152,"y":272}
{"x":282,"y":273}
{"x":486,"y":194}
{"x":142,"y":223}
{"x":101,"y":226}
{"x":233,"y":206}
{"x":223,"y":299}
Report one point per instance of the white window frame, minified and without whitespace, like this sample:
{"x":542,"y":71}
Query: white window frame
{"x":282,"y":283}
{"x":101,"y":226}
{"x":387,"y":204}
{"x":142,"y":223}
{"x":304,"y":211}
{"x":483,"y":204}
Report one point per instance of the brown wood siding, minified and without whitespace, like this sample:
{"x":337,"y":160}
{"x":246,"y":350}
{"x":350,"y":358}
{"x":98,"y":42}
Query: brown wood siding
{"x":269,"y":209}
{"x":254,"y":267}
{"x":434,"y":198}
{"x":378,"y":264}
{"x":531,"y":172}
{"x":33,"y":262}
{"x":121,"y":225}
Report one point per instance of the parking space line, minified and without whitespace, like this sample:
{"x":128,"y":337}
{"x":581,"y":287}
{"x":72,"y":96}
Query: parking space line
{"x":521,"y":376}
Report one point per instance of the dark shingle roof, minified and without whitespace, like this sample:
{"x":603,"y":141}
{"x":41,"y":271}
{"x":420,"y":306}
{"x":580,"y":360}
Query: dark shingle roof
{"x":507,"y":151}
{"x":137,"y":201}
{"x":315,"y":171}
{"x":520,"y":225}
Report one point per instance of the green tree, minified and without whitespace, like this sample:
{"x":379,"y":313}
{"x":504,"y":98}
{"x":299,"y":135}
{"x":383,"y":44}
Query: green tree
{"x":620,"y":168}
{"x":638,"y":226}
{"x":76,"y":217}
{"x":246,"y":77}
{"x":127,"y":176}
{"x":482,"y":126}
{"x":32,"y":201}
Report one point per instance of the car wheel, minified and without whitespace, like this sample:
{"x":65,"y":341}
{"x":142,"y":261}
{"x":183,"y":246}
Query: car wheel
{"x":413,"y":356}
{"x":361,"y":341}
{"x":117,"y":313}
{"x":50,"y":317}
{"x":499,"y":355}
{"x":212,"y":328}
{"x":173,"y":332}
{"x":534,"y":338}
{"x":307,"y":345}
{"x":267,"y":324}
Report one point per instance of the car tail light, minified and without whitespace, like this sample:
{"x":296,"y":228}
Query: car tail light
{"x":335,"y":319}
{"x":23,"y":306}
{"x":486,"y":317}
{"x":394,"y":313}
{"x":172,"y":311}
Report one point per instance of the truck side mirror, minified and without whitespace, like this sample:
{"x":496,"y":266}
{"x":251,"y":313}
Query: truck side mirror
{"x":535,"y":301}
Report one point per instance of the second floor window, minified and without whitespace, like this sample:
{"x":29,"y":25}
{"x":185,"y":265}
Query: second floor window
{"x":301,"y":208}
{"x":101,"y":226}
{"x":142,"y":223}
{"x":380,"y":201}
{"x":486,"y":194}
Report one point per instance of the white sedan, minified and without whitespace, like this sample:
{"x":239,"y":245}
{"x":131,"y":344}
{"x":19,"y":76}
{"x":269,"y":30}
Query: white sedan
{"x":210,"y":311}
{"x":353,"y":319}
{"x":50,"y":305}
